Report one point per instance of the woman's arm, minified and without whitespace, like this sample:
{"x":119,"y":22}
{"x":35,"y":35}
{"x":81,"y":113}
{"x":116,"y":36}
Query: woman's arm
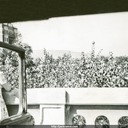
{"x":7,"y":86}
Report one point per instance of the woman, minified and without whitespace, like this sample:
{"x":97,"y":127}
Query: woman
{"x":5,"y":85}
{"x":3,"y":108}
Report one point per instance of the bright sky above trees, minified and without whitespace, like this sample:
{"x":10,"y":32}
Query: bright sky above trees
{"x":108,"y":31}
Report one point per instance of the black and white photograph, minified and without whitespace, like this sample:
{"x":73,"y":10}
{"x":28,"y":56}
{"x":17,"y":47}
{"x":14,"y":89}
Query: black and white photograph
{"x":64,"y":64}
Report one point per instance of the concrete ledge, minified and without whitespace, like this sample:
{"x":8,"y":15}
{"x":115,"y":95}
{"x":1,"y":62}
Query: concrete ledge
{"x":75,"y":96}
{"x":78,"y":96}
{"x":46,"y":96}
{"x":98,"y":96}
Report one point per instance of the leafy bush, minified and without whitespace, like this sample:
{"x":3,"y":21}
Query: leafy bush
{"x":65,"y":71}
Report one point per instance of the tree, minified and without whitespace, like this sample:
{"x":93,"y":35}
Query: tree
{"x":11,"y":62}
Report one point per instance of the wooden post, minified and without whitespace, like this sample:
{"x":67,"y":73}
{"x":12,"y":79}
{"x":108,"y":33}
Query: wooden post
{"x":22,"y":87}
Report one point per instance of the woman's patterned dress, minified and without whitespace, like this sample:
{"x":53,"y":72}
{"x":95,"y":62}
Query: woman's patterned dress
{"x":3,"y":108}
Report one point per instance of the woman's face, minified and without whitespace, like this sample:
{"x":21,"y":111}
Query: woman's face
{"x":1,"y":59}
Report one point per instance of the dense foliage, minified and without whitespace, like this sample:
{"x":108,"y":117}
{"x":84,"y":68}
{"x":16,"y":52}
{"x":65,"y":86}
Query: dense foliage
{"x":11,"y":62}
{"x":65,"y":71}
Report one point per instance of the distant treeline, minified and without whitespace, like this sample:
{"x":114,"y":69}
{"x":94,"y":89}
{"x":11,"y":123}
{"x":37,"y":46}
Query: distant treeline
{"x":65,"y":71}
{"x":90,"y":71}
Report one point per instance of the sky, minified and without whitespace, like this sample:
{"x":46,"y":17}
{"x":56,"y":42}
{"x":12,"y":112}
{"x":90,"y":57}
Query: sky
{"x":76,"y":33}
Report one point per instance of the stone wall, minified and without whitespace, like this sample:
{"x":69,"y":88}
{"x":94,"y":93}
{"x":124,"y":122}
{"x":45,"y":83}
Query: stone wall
{"x":59,"y":106}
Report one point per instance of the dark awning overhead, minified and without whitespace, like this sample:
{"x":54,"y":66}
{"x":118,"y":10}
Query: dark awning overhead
{"x":25,"y":10}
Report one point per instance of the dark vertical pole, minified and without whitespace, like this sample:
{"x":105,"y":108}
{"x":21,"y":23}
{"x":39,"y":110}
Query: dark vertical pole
{"x":22,"y":86}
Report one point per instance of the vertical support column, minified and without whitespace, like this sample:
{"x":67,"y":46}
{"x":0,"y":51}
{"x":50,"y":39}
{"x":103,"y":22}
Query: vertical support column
{"x":22,"y":83}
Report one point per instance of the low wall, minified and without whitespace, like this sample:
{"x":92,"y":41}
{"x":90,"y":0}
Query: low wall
{"x":51,"y":105}
{"x":59,"y":105}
